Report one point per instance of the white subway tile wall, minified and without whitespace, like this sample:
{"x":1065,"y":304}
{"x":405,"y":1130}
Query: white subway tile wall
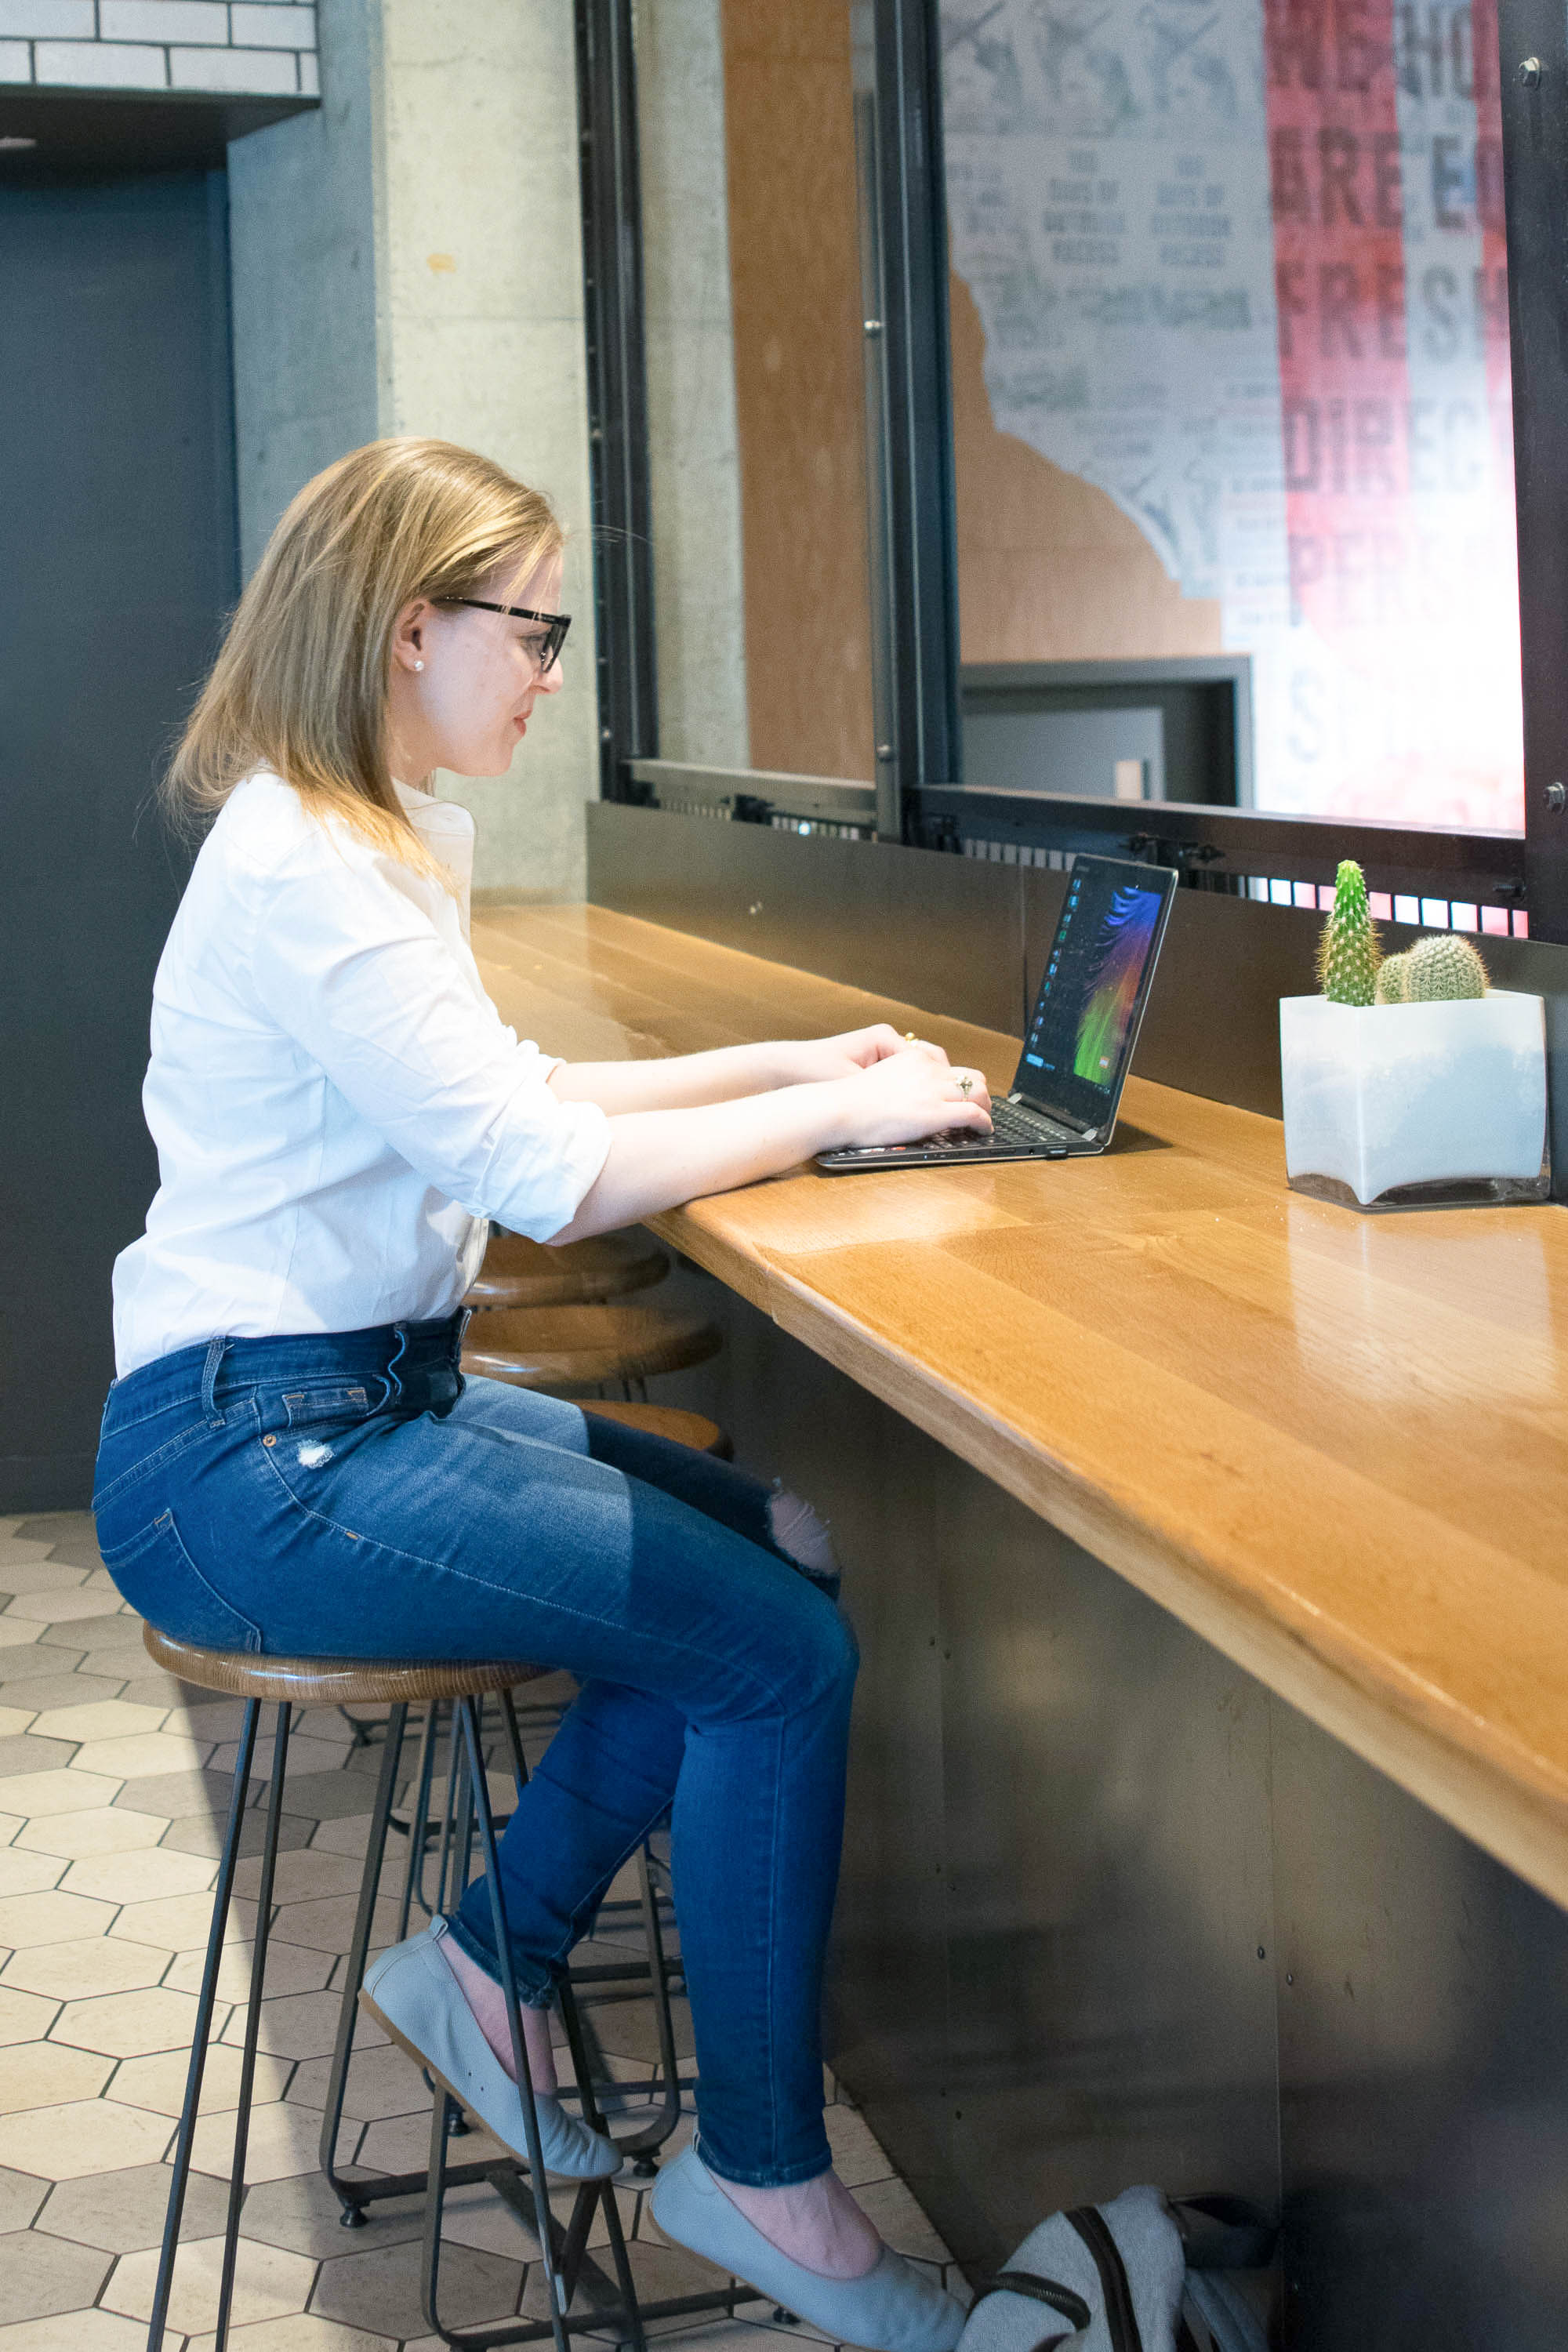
{"x":249,"y":48}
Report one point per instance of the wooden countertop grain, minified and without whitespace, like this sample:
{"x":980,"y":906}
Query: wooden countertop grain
{"x":1334,"y":1445}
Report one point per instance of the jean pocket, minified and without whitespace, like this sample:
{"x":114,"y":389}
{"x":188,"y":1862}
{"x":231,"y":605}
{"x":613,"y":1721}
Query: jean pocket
{"x":162,"y":1583}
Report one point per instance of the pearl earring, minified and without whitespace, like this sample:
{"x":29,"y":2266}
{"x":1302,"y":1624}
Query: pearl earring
{"x":418,"y":665}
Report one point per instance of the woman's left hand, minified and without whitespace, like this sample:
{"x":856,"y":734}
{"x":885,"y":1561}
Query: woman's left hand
{"x":813,"y":1058}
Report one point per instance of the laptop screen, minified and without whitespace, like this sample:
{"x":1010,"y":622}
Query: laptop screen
{"x":1097,"y":975}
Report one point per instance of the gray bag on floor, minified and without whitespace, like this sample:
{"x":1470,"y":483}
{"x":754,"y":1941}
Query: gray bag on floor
{"x":1116,"y":2278}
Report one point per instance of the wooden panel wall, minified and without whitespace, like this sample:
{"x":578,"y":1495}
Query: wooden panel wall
{"x":799,"y":385}
{"x":1049,"y":568}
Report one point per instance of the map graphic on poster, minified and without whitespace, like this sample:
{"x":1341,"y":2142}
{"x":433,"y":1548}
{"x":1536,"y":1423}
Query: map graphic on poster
{"x":1241,"y":266}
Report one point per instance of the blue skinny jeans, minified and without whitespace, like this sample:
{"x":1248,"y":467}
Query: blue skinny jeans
{"x":353,"y":1495}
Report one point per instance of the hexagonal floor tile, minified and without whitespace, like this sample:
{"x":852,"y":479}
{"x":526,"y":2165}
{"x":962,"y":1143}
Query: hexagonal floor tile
{"x":79,"y":1970}
{"x":178,"y":1921}
{"x":289,"y":1969}
{"x":21,"y":2194}
{"x":21,"y":1753}
{"x":303,"y":2025}
{"x":177,"y":1794}
{"x":350,"y":1836}
{"x":402,"y":2144}
{"x":122,"y":2210}
{"x":87,"y":2136}
{"x":148,"y":1873}
{"x":100,"y":1829}
{"x":51,"y":1918}
{"x":63,"y":1605}
{"x":327,"y":1926}
{"x":109,"y":1718}
{"x":268,"y":2283}
{"x":203,"y":1832}
{"x":303,"y":1877}
{"x":305,"y":2333}
{"x":143,"y":1755}
{"x":22,"y":1872}
{"x":48,"y":2074}
{"x":158,"y":2082}
{"x":283,"y":2140}
{"x":24,"y":2016}
{"x":380,"y":2083}
{"x":129,"y":2024}
{"x":379,"y":2289}
{"x":37,"y":1794}
{"x":302,"y":2212}
{"x":306,"y":1757}
{"x":28,"y":1687}
{"x":47,"y":2275}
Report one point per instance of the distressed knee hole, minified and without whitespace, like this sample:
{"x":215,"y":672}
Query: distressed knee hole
{"x":797,"y":1530}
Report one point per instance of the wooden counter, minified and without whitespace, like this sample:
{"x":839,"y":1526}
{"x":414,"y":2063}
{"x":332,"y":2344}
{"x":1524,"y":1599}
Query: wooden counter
{"x":1336,"y":1447}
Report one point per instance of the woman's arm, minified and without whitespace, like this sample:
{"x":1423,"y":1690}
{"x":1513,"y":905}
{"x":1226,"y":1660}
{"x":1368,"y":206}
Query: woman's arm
{"x":660,"y":1157}
{"x":686,"y":1080}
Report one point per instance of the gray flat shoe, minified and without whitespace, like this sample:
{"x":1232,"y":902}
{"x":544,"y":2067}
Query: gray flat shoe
{"x":415,"y":1998}
{"x":894,"y":2309}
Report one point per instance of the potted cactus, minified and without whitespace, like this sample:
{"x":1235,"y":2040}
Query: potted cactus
{"x":1409,"y":1071}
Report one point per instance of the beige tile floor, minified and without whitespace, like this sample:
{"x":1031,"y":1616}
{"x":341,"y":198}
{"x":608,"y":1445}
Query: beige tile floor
{"x":111,"y":1776}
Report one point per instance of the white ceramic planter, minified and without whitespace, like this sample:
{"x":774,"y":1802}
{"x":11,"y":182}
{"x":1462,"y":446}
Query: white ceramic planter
{"x":1381,"y":1095}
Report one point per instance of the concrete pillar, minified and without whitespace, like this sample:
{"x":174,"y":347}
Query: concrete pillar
{"x":410,"y":261}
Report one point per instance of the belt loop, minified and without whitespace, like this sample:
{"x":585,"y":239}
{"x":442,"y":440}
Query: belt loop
{"x":217,"y":1345}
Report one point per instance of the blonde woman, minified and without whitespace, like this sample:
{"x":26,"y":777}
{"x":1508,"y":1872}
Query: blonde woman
{"x":291,"y":1459}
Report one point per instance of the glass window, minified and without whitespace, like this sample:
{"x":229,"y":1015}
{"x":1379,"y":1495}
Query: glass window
{"x":1230,"y":367}
{"x":756,"y":401}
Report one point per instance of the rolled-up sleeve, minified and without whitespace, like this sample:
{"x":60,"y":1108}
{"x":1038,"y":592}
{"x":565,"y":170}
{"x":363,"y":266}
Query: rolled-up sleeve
{"x":345,"y":960}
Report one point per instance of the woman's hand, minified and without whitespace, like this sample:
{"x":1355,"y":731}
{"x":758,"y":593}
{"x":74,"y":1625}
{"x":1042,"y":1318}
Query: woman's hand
{"x":904,"y":1097}
{"x":811,"y":1059}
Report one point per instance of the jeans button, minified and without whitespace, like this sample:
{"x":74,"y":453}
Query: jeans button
{"x":270,"y":1441}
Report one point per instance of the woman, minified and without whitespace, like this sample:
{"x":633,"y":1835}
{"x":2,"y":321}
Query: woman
{"x":291,"y":1459}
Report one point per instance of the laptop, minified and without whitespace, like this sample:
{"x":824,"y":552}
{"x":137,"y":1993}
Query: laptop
{"x":1081,"y":1033}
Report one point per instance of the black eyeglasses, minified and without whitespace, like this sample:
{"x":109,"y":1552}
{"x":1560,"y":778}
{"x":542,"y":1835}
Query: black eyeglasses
{"x":546,"y":650}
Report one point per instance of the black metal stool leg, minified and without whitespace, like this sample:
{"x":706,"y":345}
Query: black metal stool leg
{"x":359,"y":1948}
{"x":252,"y":2022}
{"x":206,"y":2001}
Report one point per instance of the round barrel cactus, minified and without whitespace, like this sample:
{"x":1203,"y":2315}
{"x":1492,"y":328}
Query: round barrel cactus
{"x":1441,"y":968}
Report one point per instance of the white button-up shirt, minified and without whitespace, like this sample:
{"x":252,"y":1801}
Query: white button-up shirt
{"x":337,"y":1105}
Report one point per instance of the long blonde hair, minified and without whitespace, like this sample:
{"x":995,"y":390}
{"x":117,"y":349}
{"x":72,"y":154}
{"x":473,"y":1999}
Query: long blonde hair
{"x":301,"y":683}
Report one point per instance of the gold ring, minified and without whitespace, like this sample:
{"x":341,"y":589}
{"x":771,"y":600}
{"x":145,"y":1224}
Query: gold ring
{"x":910,"y":1036}
{"x":965,"y":1084}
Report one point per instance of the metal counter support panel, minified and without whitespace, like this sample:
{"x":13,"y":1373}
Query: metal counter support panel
{"x":962,"y":938}
{"x":1535,"y":87}
{"x":618,"y":387}
{"x":1111,"y":1912}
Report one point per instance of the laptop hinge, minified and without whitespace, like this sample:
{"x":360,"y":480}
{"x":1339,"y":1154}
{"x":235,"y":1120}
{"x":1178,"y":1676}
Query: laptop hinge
{"x":1056,"y":1118}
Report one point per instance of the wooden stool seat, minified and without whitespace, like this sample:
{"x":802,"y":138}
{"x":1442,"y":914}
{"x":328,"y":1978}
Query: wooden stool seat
{"x":331,"y":1682}
{"x":520,"y":1273}
{"x":681,"y":1428}
{"x":570,"y":1351}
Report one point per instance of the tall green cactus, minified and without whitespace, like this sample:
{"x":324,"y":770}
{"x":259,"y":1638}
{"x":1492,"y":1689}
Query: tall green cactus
{"x":1348,"y":951}
{"x":1441,"y":968}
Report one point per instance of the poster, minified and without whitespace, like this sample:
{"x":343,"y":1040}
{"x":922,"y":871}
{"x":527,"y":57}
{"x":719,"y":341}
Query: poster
{"x":1239,"y":263}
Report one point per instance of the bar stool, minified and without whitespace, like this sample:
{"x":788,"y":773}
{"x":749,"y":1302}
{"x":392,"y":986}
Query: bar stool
{"x":668,"y":1420}
{"x":520,"y":1273}
{"x":396,"y":1683}
{"x":574,"y":1350}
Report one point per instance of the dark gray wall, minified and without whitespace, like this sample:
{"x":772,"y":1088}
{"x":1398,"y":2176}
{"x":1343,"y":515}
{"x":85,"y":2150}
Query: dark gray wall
{"x":117,"y":545}
{"x":1111,"y":1912}
{"x":955,"y":936}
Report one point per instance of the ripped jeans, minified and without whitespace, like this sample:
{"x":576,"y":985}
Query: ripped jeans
{"x":351,"y":1494}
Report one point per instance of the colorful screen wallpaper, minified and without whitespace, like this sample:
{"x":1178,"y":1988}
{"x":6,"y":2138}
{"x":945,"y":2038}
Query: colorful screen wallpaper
{"x":1121,"y":953}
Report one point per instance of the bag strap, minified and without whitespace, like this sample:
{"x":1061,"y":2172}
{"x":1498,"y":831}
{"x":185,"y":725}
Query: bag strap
{"x":1120,"y":2318}
{"x":1040,"y":2290}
